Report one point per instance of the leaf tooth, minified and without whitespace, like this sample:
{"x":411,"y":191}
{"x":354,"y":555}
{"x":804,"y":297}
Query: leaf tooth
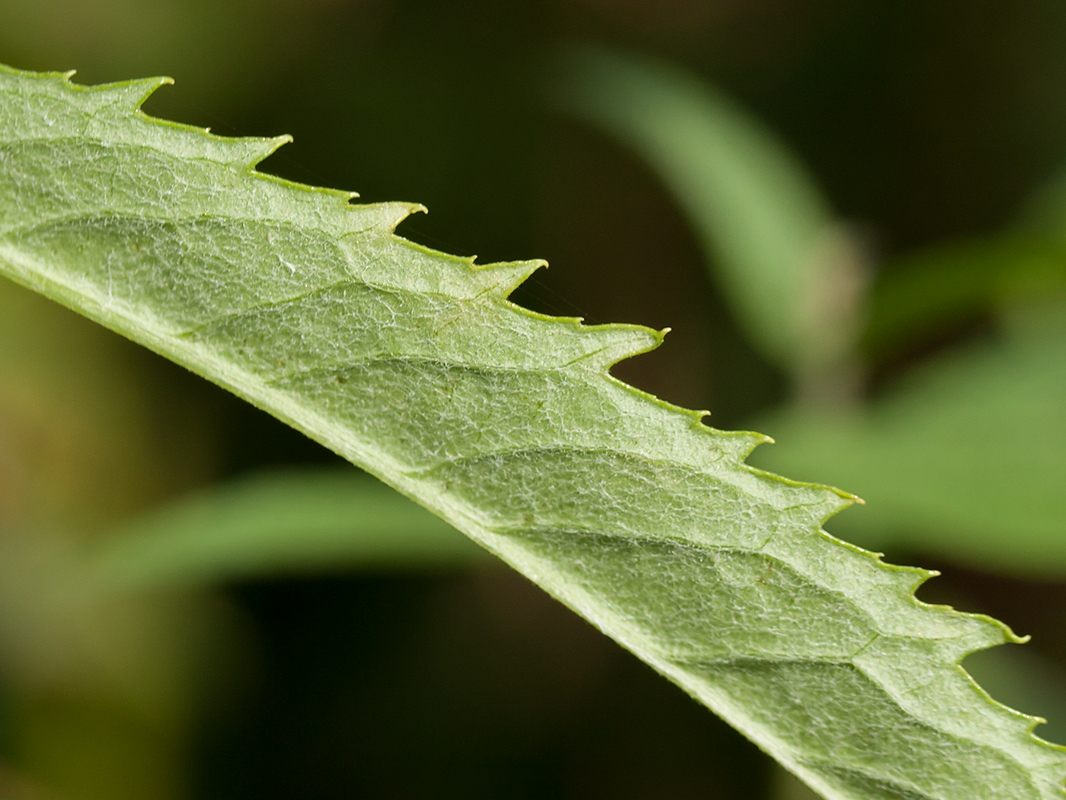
{"x":833,"y":501}
{"x":619,"y":342}
{"x":982,"y":633}
{"x":127,"y":95}
{"x":386,"y":216}
{"x":819,"y":504}
{"x":506,"y":276}
{"x":249,"y":151}
{"x":747,"y":441}
{"x":954,"y":634}
{"x":891,"y":662}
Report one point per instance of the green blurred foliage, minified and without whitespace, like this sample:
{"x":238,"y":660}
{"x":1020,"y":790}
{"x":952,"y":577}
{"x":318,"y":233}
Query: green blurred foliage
{"x":288,"y":522}
{"x":84,"y":416}
{"x":933,"y":131}
{"x":963,"y":458}
{"x":764,"y":224}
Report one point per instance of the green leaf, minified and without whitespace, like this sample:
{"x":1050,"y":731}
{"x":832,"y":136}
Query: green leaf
{"x":1045,"y":209}
{"x":938,"y":289}
{"x":280,"y":522}
{"x":964,"y":458}
{"x":414,"y":365}
{"x":771,"y":241}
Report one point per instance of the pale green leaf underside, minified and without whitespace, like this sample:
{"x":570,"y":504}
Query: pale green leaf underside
{"x":414,"y":365}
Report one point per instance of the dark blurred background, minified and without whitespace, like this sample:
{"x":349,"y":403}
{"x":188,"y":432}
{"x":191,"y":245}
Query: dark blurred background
{"x":923,"y":122}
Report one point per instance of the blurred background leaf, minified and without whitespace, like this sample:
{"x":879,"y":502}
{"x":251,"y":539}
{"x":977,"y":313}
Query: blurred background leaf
{"x":285,"y":522}
{"x":934,"y":292}
{"x":767,"y":231}
{"x":963,"y":458}
{"x":83,"y":418}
